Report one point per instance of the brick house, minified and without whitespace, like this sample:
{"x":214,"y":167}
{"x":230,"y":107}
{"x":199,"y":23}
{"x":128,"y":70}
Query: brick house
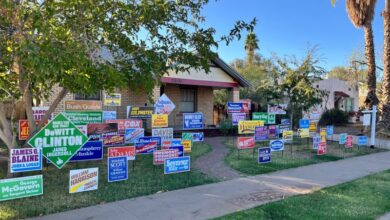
{"x":190,"y":91}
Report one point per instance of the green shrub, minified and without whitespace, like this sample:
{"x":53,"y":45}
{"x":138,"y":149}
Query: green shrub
{"x":334,"y":117}
{"x":227,"y":127}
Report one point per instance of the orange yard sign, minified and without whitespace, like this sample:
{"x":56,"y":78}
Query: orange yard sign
{"x":23,"y":130}
{"x":78,"y":105}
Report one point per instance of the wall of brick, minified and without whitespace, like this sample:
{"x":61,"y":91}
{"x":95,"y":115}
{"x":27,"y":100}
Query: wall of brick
{"x":206,"y":104}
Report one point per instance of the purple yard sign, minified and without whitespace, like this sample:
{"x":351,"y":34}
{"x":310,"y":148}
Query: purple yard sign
{"x":238,"y":117}
{"x":272,"y":131}
{"x":261,"y":133}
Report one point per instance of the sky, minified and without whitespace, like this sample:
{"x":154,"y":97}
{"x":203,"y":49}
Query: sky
{"x":289,"y":27}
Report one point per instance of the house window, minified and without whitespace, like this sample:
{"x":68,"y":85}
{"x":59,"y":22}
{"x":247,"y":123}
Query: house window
{"x":187,"y":100}
{"x":93,"y":96}
{"x":348,"y":103}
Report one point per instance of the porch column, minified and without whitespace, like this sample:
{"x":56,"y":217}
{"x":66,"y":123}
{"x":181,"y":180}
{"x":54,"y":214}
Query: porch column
{"x":234,"y":94}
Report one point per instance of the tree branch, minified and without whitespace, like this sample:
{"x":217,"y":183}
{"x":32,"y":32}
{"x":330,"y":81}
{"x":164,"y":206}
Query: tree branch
{"x":61,"y":95}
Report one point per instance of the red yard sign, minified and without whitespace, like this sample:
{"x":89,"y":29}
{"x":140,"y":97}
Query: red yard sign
{"x":23,"y":130}
{"x":166,"y":144}
{"x":322,"y":148}
{"x":126,"y":123}
{"x":245,"y":142}
{"x":128,"y":151}
{"x":159,"y":156}
{"x":348,"y":143}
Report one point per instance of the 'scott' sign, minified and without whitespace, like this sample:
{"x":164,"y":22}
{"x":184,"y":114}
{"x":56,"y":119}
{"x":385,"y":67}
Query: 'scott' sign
{"x":60,"y":140}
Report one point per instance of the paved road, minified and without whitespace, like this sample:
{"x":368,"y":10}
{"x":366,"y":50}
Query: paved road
{"x":213,"y":200}
{"x":213,"y":163}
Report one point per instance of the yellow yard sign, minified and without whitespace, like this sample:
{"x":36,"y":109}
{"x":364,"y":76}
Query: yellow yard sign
{"x":113,"y":99}
{"x":323,"y":134}
{"x":159,"y":121}
{"x":288,"y":135}
{"x":313,"y":126}
{"x":187,"y":145}
{"x":248,"y":127}
{"x":304,"y":132}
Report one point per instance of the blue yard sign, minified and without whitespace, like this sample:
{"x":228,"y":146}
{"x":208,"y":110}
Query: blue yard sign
{"x":304,"y":123}
{"x":329,"y":130}
{"x":276,"y":145}
{"x":235,"y":107}
{"x":343,"y":138}
{"x":264,"y":155}
{"x":177,"y":165}
{"x":117,"y":169}
{"x":192,"y":121}
{"x":180,"y":148}
{"x":145,"y":140}
{"x":92,"y":150}
{"x":362,"y":140}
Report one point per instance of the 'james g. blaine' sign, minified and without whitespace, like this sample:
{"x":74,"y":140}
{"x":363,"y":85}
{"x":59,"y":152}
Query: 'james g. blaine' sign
{"x":77,"y":105}
{"x":60,"y":139}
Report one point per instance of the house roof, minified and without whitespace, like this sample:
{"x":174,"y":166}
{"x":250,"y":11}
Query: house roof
{"x":231,"y":72}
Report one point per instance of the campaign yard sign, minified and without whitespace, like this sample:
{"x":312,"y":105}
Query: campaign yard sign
{"x":140,"y":112}
{"x":164,"y":105}
{"x":235,"y":107}
{"x":150,"y":139}
{"x":248,"y":127}
{"x":83,"y":180}
{"x":197,"y":136}
{"x":113,"y":99}
{"x":362,"y":140}
{"x":113,"y":140}
{"x":16,"y":188}
{"x":192,"y":121}
{"x":132,"y":135}
{"x":264,"y":155}
{"x":117,"y":169}
{"x":322,"y":148}
{"x":276,"y":145}
{"x":60,"y":139}
{"x":283,"y":128}
{"x":261,"y":133}
{"x":25,"y":159}
{"x":187,"y":145}
{"x":236,"y":117}
{"x":82,"y":105}
{"x":303,"y":133}
{"x":39,"y":112}
{"x":95,"y":131}
{"x":343,"y":138}
{"x":245,"y":142}
{"x":304,"y":123}
{"x":92,"y":150}
{"x":109,"y":115}
{"x":260,"y":116}
{"x":288,"y":135}
{"x":159,"y":156}
{"x":165,"y":134}
{"x":23,"y":130}
{"x":84,"y":117}
{"x":329,"y":130}
{"x":313,"y":126}
{"x":127,"y":151}
{"x":349,"y":141}
{"x":272,"y":131}
{"x":159,"y":121}
{"x":124,"y":124}
{"x":316,"y":142}
{"x":271,"y":119}
{"x":177,"y":165}
{"x":179,"y":148}
{"x":277,"y":109}
{"x":145,"y":148}
{"x":285,"y":121}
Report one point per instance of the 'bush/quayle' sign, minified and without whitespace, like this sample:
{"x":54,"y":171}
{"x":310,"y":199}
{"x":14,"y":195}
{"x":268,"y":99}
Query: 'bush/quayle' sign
{"x":248,"y":127}
{"x":177,"y":165}
{"x":276,"y":145}
{"x":192,"y":121}
{"x":25,"y":159}
{"x":83,"y":180}
{"x":60,"y":139}
{"x":245,"y":142}
{"x":16,"y":188}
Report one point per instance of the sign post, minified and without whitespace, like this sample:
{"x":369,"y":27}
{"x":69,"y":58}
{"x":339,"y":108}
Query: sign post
{"x":373,"y":124}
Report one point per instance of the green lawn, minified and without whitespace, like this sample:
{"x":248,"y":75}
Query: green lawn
{"x":297,"y":154}
{"x":145,"y":179}
{"x":365,"y":198}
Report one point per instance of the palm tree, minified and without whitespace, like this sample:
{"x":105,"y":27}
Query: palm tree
{"x":251,"y":44}
{"x":361,"y":14}
{"x":386,"y":67}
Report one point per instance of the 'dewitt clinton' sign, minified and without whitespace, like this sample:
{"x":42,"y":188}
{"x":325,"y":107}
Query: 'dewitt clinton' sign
{"x":60,"y":139}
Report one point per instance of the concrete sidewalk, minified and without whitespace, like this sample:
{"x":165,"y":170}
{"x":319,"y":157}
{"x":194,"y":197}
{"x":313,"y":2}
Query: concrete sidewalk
{"x":213,"y":200}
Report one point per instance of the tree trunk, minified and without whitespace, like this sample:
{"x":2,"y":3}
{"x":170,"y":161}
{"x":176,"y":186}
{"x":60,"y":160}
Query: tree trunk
{"x":250,"y":55}
{"x":386,"y":68}
{"x":371,"y":98}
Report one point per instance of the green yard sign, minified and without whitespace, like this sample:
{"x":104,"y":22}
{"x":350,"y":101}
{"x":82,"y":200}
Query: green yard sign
{"x":271,"y":119}
{"x":16,"y":188}
{"x":260,"y":116}
{"x":84,"y":117}
{"x":60,"y":139}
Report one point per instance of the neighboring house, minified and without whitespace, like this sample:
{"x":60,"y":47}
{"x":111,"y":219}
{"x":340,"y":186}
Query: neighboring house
{"x":341,"y":95}
{"x":190,"y":91}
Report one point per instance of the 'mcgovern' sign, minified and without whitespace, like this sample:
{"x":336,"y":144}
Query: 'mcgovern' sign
{"x":60,"y":139}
